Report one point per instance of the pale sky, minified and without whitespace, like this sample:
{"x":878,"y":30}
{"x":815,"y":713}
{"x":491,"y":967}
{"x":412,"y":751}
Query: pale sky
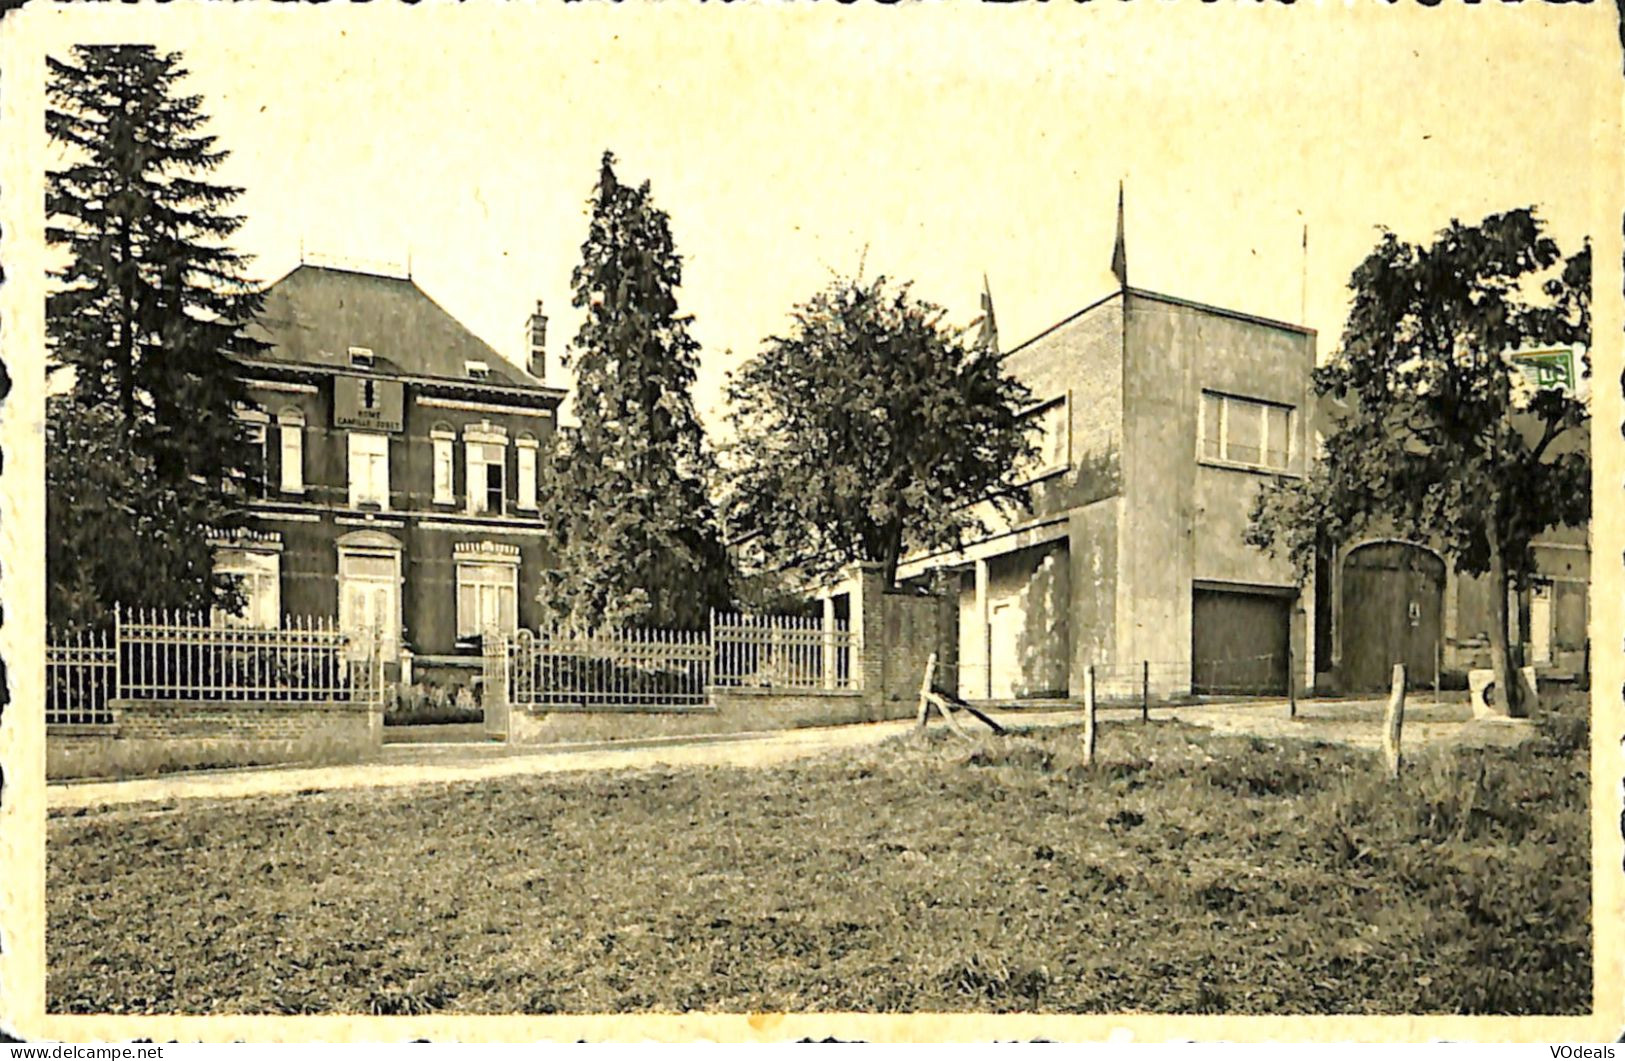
{"x":950,"y":140}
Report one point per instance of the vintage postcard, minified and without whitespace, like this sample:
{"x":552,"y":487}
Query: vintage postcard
{"x":933,"y":521}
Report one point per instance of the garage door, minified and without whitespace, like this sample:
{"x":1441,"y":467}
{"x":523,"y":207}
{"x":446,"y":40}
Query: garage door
{"x":1239,"y":642}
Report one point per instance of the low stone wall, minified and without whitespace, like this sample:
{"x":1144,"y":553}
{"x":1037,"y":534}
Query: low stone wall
{"x":730,"y":711}
{"x":157,"y":736}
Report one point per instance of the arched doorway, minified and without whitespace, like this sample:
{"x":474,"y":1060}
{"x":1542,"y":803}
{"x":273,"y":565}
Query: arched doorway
{"x":1392,"y":603}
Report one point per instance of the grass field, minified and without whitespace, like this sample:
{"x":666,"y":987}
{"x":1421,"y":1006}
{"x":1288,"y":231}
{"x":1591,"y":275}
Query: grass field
{"x":1184,"y":872}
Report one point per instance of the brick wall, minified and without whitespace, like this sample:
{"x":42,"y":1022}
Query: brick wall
{"x":149,"y":737}
{"x":251,"y":719}
{"x":732,"y":711}
{"x":913,"y":630}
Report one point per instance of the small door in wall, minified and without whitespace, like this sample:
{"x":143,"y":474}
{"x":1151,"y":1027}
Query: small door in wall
{"x":1540,"y":623}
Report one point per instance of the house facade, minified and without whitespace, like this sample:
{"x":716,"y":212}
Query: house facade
{"x":401,"y":462}
{"x":1161,"y":419}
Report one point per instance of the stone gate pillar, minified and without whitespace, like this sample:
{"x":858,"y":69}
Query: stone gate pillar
{"x":869,"y":635}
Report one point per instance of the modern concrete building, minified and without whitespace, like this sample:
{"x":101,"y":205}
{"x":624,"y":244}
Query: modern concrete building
{"x":401,"y":463}
{"x":1161,"y":419}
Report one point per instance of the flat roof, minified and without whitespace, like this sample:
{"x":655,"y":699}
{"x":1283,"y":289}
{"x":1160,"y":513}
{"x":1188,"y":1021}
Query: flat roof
{"x":1172,"y":300}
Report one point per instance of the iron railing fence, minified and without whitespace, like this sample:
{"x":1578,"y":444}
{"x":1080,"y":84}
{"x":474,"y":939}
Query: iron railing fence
{"x":609,"y":669}
{"x":157,"y":654}
{"x":81,"y":669}
{"x":184,"y":656}
{"x":782,"y":651}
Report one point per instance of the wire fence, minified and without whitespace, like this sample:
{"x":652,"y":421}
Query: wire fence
{"x":156,"y":654}
{"x":1121,"y":682}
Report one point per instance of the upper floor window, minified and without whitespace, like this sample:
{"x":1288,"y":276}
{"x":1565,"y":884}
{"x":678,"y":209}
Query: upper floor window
{"x":486,"y":485}
{"x":486,"y":449}
{"x":369,"y":469}
{"x":527,"y":447}
{"x":291,"y":433}
{"x":1054,"y":440}
{"x":361,"y":357}
{"x":445,"y":490}
{"x":1246,"y":432}
{"x":253,"y":478}
{"x":477,"y":369}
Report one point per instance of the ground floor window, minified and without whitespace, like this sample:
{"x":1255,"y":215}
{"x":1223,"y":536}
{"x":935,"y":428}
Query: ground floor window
{"x":487,"y":597}
{"x":259,"y":575}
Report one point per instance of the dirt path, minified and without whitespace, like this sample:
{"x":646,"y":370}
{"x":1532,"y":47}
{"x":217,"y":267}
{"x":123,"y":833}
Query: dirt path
{"x":1355,"y":723}
{"x":430,"y":764}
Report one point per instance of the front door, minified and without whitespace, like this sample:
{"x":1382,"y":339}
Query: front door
{"x":370,"y":601}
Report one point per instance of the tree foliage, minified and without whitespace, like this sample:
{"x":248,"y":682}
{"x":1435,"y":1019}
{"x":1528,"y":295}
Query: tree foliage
{"x":1441,"y":438}
{"x":636,"y":532}
{"x":144,"y":313}
{"x":869,"y":429}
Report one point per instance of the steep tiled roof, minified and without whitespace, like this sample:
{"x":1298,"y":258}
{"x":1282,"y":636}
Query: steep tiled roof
{"x":316,"y":313}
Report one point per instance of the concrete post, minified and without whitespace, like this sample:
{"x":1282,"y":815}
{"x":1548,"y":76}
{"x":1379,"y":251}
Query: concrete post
{"x":494,"y":685}
{"x":829,"y":642}
{"x":984,"y":630}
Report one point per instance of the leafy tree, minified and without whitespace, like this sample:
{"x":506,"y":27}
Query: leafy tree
{"x":1444,"y":439}
{"x":145,"y":313}
{"x":111,"y":520}
{"x":871,"y":428}
{"x":636,"y":532}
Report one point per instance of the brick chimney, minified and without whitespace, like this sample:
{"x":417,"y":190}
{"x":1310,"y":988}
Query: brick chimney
{"x":536,"y":343}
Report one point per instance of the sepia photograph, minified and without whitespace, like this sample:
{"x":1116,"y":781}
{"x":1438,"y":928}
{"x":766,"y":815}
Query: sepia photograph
{"x":1021,"y":513}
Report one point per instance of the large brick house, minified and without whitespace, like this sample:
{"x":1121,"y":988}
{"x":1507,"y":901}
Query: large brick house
{"x":1161,"y":419}
{"x":401,"y":462}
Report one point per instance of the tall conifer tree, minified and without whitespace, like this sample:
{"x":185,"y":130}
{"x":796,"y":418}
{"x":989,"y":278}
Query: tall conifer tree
{"x":637,"y":533}
{"x":145,"y":311}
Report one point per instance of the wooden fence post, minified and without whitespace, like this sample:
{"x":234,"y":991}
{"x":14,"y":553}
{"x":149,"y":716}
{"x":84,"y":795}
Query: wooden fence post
{"x":1291,"y":683}
{"x":1394,"y":721}
{"x":1145,"y":690}
{"x":925,"y":690}
{"x":1089,"y":715}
